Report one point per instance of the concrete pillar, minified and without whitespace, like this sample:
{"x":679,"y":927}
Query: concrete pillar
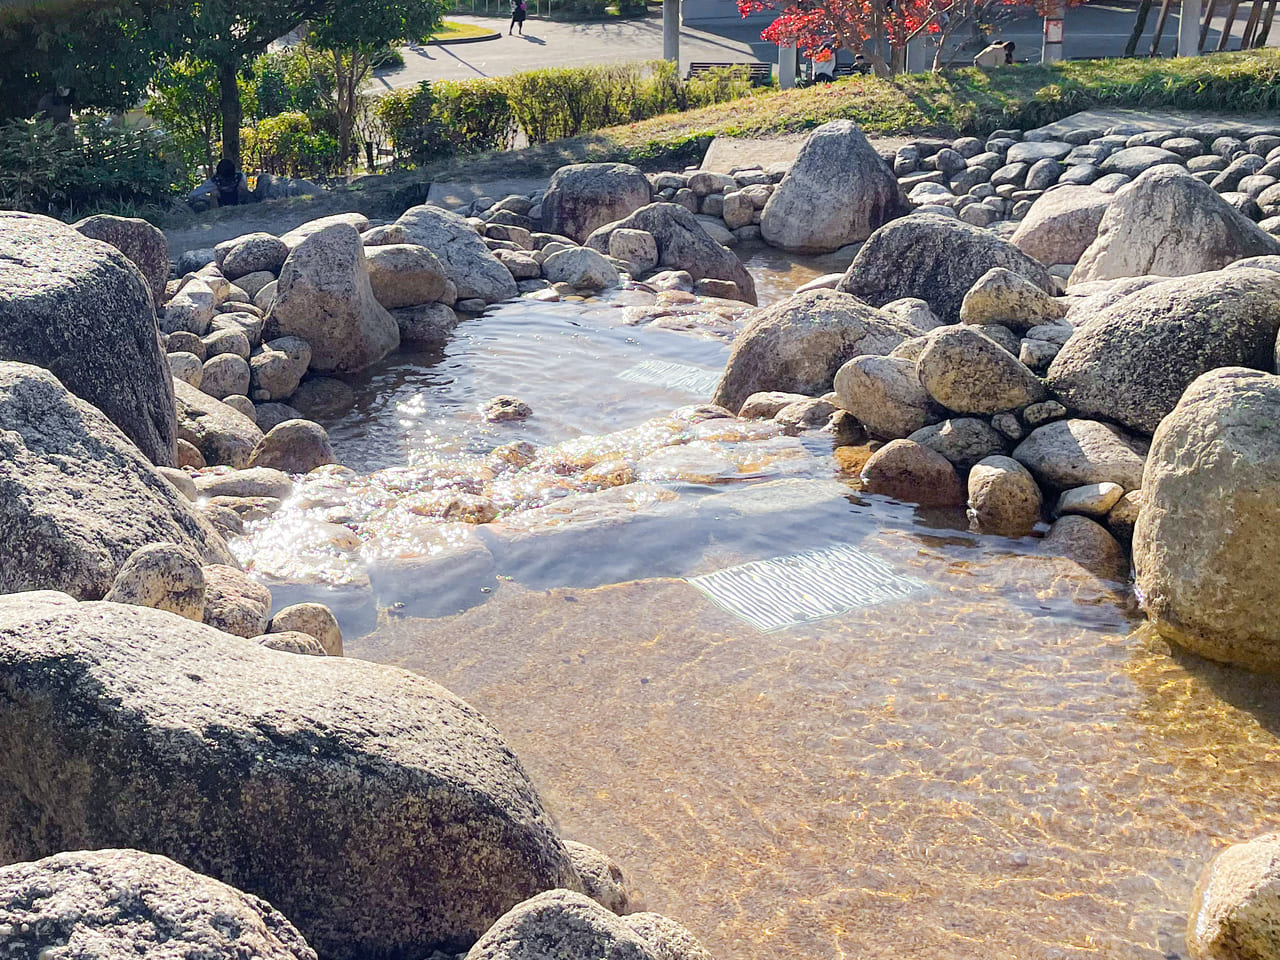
{"x":671,"y":31}
{"x":1189,"y":28}
{"x":1051,"y":52}
{"x":786,"y":66}
{"x":917,"y":55}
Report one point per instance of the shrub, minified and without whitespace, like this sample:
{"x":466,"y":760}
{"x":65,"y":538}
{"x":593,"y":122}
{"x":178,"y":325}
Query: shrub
{"x":475,"y":114}
{"x":407,"y":117}
{"x":286,"y":144}
{"x":284,"y":82}
{"x":70,"y":172}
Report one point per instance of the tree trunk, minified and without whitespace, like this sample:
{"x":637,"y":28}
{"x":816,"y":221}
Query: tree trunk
{"x":1228,"y":26}
{"x":1159,"y":31}
{"x":1144,"y":11}
{"x":1261,"y":40}
{"x":229,"y":101}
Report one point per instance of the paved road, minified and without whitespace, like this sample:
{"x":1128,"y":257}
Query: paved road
{"x":549,"y":43}
{"x":1097,"y":29}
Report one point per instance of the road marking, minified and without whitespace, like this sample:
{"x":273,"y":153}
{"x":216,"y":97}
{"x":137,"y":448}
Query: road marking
{"x":675,"y":376}
{"x":804,"y":587}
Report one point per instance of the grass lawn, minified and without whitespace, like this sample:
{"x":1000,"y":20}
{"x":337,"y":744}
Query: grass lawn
{"x":452,"y":30}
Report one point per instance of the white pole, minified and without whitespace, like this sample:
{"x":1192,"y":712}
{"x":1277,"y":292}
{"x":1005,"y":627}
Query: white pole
{"x":1051,"y":52}
{"x":1189,"y":28}
{"x":917,"y":59}
{"x":786,"y":66}
{"x":671,"y":31}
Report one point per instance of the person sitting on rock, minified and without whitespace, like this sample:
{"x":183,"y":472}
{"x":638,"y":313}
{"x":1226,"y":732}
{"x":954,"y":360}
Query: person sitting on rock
{"x":233,"y":186}
{"x":995,"y":55}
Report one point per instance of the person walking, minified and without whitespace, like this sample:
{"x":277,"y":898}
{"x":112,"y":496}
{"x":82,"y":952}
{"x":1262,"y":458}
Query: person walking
{"x":517,"y":16}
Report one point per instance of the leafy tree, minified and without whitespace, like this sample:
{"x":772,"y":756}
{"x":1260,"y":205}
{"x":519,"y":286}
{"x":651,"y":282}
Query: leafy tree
{"x":184,"y":101}
{"x":105,"y":50}
{"x":879,"y":30}
{"x":230,"y":33}
{"x":343,"y":49}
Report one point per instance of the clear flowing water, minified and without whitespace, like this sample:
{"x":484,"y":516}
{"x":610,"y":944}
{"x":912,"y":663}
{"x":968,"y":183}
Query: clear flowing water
{"x":975,"y":752}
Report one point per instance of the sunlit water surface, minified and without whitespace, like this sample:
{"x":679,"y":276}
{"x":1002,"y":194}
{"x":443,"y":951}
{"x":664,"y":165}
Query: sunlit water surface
{"x":996,"y":766}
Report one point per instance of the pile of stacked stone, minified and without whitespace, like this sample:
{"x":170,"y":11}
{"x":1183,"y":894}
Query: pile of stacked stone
{"x":987,"y":180}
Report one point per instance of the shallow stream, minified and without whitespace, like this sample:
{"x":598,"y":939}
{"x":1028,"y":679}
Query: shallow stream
{"x":807,"y":722}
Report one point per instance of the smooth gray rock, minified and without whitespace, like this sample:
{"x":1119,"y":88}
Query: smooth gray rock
{"x":221,"y":434}
{"x":1134,"y":161}
{"x":936,"y":259}
{"x":581,"y":267}
{"x":295,"y":446}
{"x":313,"y":619}
{"x":379,"y":812}
{"x":602,"y":878}
{"x":163,"y":576}
{"x":138,"y":240}
{"x":293,"y":239}
{"x":404,"y":274}
{"x":564,"y":925}
{"x":966,"y":371}
{"x":885,"y":396}
{"x":962,"y":440}
{"x":276,"y":370}
{"x":1210,"y":520}
{"x":76,"y":497}
{"x":1004,"y":498}
{"x":1233,"y":913}
{"x":582,"y":197}
{"x":837,"y":192}
{"x":225,"y":375}
{"x":81,"y":309}
{"x":125,"y":903}
{"x":906,"y":471}
{"x":797,"y":345}
{"x":1072,"y":453}
{"x":682,"y":245}
{"x":251,"y":253}
{"x":324,"y":296}
{"x":1131,"y":361}
{"x":1169,"y":224}
{"x":429,"y":325}
{"x":476,"y":272}
{"x":1062,"y":224}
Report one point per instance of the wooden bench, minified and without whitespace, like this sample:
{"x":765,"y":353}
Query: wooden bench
{"x":761,"y":73}
{"x":849,"y":69}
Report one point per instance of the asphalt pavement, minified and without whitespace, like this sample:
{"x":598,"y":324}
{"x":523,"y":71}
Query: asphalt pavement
{"x":1098,"y":29}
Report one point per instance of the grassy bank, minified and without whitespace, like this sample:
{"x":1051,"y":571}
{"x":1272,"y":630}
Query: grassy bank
{"x":958,"y":102}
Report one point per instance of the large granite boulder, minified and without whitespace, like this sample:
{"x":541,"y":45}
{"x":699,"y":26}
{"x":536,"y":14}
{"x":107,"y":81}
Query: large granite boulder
{"x":324,"y":296}
{"x":837,"y":192}
{"x":384,"y":816}
{"x":76,"y":497}
{"x":1209,"y":528}
{"x":1235,"y":908}
{"x":1170,"y":224}
{"x":1131,"y":361}
{"x":1061,"y":224}
{"x":936,"y":259}
{"x":682,"y":245}
{"x":478,"y":274}
{"x":124,"y":903}
{"x":138,"y":240}
{"x":81,"y":308}
{"x":222,"y":434}
{"x":1075,"y":453}
{"x":796,"y":345}
{"x":563,"y":925}
{"x":584,"y":196}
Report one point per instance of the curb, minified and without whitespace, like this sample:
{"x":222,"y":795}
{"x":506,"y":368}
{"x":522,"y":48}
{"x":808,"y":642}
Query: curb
{"x":481,"y":39}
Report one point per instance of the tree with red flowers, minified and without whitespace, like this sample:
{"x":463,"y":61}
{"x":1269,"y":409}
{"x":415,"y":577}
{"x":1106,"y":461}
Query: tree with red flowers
{"x":874,"y":28}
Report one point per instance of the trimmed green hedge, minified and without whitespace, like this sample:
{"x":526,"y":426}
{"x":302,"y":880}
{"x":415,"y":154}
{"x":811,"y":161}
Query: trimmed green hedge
{"x":432,"y":121}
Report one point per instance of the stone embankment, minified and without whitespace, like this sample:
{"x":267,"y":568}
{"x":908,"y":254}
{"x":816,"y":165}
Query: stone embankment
{"x":1075,"y":341}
